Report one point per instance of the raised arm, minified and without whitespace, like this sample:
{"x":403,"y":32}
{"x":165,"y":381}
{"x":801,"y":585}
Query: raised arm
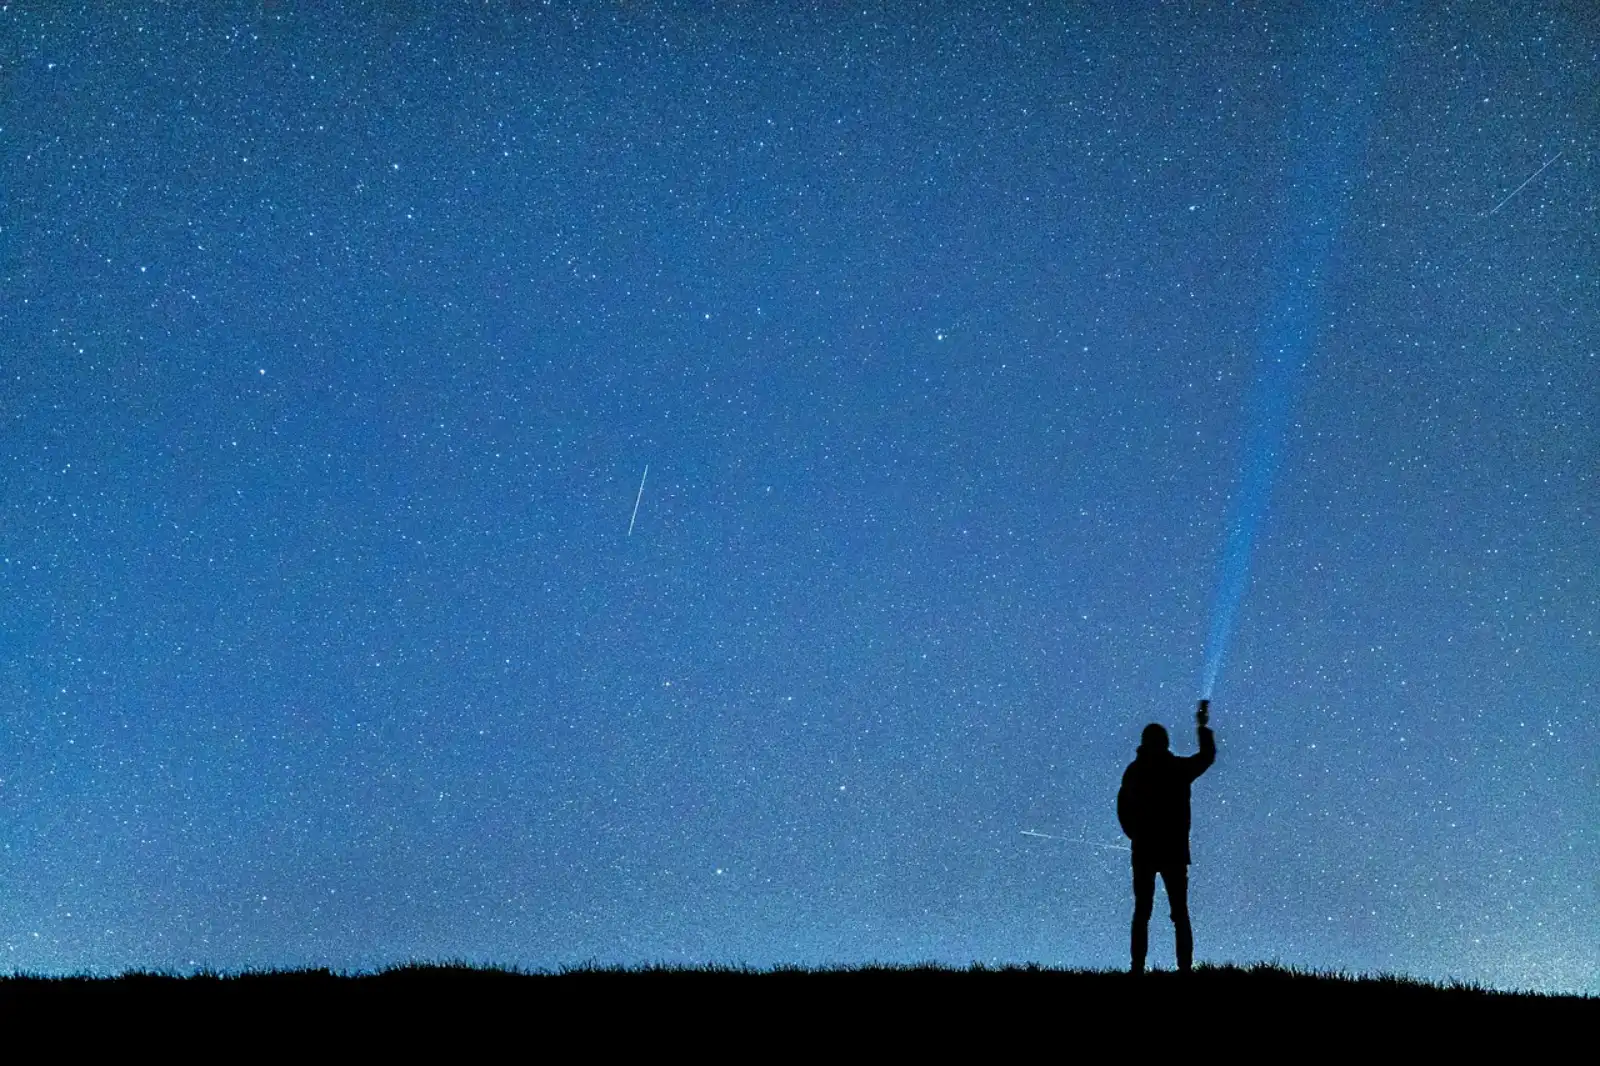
{"x":1201,"y":761}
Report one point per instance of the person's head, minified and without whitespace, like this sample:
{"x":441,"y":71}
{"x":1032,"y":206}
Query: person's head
{"x":1154,"y":738}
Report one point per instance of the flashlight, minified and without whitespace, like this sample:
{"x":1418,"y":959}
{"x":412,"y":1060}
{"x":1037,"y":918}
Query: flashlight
{"x":1204,"y":713}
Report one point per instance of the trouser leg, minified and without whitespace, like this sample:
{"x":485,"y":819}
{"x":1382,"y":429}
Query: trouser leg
{"x":1144,"y":899}
{"x":1177,"y":882}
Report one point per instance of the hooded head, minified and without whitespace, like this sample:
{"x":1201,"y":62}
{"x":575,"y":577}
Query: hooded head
{"x":1153,"y":740}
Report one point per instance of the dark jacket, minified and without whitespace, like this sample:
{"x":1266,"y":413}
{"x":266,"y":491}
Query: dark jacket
{"x":1153,"y":803}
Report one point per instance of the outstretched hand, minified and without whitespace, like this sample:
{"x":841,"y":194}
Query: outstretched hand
{"x":1203,"y":715}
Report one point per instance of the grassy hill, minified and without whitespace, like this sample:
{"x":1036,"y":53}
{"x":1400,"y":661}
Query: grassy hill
{"x":887,"y":1006}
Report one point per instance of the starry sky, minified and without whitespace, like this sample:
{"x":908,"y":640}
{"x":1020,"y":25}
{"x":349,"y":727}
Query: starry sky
{"x":335,"y":341}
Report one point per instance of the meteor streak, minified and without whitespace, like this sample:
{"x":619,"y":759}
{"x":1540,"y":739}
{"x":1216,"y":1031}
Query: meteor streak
{"x":1525,"y":184}
{"x":637,"y":498}
{"x":1076,"y":840}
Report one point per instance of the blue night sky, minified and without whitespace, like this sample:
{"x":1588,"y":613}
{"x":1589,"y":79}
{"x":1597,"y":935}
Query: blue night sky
{"x":959,"y":340}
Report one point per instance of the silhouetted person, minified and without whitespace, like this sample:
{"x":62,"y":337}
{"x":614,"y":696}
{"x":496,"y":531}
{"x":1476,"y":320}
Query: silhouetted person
{"x":1153,"y":807}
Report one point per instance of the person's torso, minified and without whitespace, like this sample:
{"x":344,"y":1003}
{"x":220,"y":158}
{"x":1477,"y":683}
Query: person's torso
{"x":1160,"y":796}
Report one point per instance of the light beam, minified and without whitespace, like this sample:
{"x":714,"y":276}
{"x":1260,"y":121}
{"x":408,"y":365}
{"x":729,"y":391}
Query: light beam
{"x":1330,"y":130}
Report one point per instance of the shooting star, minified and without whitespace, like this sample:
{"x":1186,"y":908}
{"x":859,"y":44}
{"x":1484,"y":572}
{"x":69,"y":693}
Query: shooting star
{"x":637,"y":498}
{"x":1076,"y":840}
{"x":1525,"y":184}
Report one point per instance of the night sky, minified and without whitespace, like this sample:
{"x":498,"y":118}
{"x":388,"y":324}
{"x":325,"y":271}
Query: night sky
{"x":334,"y":345}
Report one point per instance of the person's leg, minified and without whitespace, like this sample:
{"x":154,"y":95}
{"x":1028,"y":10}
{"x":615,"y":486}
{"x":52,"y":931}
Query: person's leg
{"x":1144,"y":901}
{"x":1176,"y":878}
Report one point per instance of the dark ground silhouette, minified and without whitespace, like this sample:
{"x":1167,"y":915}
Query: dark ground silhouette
{"x":749,"y":1013}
